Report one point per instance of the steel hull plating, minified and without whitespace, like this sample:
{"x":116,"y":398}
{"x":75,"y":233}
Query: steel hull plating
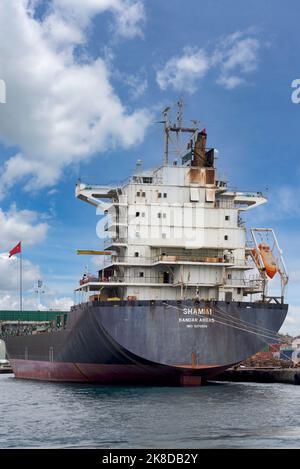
{"x":147,"y":342}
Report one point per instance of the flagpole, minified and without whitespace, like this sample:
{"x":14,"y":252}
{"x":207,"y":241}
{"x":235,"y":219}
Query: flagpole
{"x":21,"y":293}
{"x":18,"y":250}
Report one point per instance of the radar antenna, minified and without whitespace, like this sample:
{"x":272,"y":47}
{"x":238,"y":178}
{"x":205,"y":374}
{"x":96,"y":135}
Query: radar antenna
{"x":176,"y":128}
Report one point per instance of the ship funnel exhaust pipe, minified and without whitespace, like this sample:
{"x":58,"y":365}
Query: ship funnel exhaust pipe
{"x":199,"y":150}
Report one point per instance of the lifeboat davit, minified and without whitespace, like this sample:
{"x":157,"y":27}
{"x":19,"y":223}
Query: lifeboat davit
{"x":256,"y":258}
{"x":268,"y":259}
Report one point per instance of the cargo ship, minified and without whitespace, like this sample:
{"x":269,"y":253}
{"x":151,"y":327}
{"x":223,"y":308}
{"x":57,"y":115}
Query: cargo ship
{"x":183,"y":289}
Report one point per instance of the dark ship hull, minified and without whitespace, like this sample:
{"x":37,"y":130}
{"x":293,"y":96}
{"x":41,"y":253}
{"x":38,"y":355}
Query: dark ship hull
{"x":147,"y":342}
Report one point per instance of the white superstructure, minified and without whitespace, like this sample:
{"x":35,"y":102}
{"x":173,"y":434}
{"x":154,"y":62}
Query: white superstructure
{"x":174,"y":232}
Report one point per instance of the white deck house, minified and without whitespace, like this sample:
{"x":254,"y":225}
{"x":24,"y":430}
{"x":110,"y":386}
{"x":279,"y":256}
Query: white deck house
{"x":173,"y":233}
{"x":176,"y":232}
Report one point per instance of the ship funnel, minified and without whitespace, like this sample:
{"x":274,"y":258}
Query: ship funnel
{"x":199,"y":150}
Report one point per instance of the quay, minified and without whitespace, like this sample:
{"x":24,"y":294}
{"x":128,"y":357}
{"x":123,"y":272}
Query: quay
{"x":261,"y":375}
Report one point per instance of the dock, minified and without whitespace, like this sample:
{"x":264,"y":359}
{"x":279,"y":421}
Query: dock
{"x":261,"y":375}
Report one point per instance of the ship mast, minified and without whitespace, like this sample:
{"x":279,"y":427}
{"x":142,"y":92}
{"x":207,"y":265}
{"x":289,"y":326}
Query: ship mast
{"x":166,"y":134}
{"x":177,"y":128}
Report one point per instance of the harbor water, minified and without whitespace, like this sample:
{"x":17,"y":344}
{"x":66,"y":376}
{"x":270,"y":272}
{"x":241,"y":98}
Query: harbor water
{"x":222,"y":415}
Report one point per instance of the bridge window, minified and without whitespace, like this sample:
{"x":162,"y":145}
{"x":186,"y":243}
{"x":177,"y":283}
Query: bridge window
{"x":166,"y":277}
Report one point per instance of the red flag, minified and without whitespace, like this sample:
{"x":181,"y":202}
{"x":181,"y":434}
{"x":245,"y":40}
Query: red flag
{"x":15,"y":250}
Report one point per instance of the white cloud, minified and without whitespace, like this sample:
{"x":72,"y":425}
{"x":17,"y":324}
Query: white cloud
{"x":286,"y":201}
{"x":128,"y":17}
{"x":68,"y":20}
{"x":137,"y":84}
{"x":234,"y":58}
{"x":283,"y":204}
{"x":230,"y":82}
{"x":10,"y":287}
{"x":11,"y":301}
{"x":18,"y":225}
{"x":62,"y":304}
{"x":295,"y":275}
{"x":60,"y":108}
{"x":21,"y":225}
{"x":9,"y":274}
{"x":237,"y":56}
{"x":291,"y":324}
{"x":183,"y":72}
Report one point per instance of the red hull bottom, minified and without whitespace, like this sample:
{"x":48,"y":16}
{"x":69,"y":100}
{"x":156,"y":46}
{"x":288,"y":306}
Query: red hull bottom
{"x":113,"y":374}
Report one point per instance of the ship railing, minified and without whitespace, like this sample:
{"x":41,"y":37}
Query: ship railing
{"x":250,"y":193}
{"x":176,"y":258}
{"x":109,"y":241}
{"x":238,"y":262}
{"x":249,"y":278}
{"x":220,"y":203}
{"x":144,"y":178}
{"x":251,"y":283}
{"x":224,"y":202}
{"x":91,"y":187}
{"x":130,"y":279}
{"x":202,"y":259}
{"x":88,"y":279}
{"x":168,"y":258}
{"x":152,"y":280}
{"x":132,"y":260}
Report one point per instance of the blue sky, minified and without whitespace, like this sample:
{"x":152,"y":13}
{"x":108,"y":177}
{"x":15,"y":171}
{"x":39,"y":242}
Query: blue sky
{"x":86,"y":82}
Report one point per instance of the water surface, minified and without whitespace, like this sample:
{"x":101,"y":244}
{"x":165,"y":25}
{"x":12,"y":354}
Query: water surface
{"x":225,"y":415}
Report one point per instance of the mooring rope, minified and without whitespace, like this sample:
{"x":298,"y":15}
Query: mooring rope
{"x":237,"y":325}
